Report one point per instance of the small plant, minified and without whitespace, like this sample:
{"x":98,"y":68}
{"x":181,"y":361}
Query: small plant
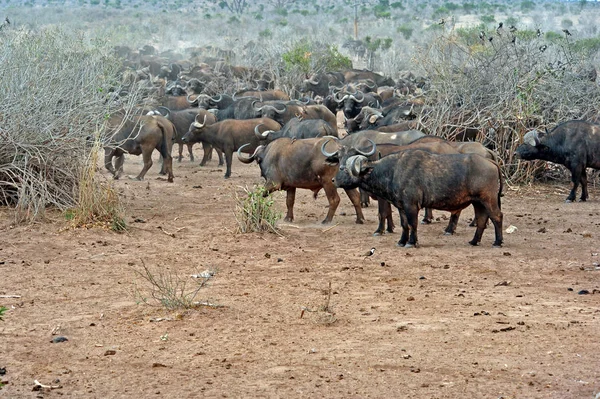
{"x":254,"y":211}
{"x":170,"y":290}
{"x":325,"y":310}
{"x":2,"y":311}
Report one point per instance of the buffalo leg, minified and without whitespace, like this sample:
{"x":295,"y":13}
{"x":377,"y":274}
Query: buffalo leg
{"x":220,"y":155}
{"x":119,"y":166}
{"x":189,"y":147}
{"x":452,"y":223}
{"x":168,"y":165}
{"x":207,"y":152}
{"x":147,"y":157}
{"x":180,"y":157}
{"x":228,"y":160}
{"x":481,"y":217}
{"x":384,"y":213}
{"x":576,"y":174}
{"x":354,"y":197}
{"x":108,"y":156}
{"x":364,"y":198}
{"x":428,"y":218}
{"x":334,"y":201}
{"x":584,"y":189}
{"x":412,"y":218}
{"x":494,"y":212}
{"x":404,"y":223}
{"x":289,"y":202}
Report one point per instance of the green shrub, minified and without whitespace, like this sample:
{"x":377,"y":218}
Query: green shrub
{"x":2,"y":311}
{"x":405,"y":30}
{"x":306,"y":56}
{"x":254,"y":211}
{"x":487,"y":19}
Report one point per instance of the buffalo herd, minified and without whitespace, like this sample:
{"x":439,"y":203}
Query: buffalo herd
{"x":295,"y":139}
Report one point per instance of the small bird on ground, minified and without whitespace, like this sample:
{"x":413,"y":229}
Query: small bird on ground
{"x":538,"y":33}
{"x":543,"y":48}
{"x":512,"y":29}
{"x":369,"y":253}
{"x":442,"y":22}
{"x":567,"y":33}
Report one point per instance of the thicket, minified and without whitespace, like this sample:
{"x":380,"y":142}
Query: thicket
{"x":56,"y":93}
{"x":506,"y":83}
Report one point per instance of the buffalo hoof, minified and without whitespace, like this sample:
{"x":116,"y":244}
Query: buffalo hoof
{"x":582,"y":199}
{"x":364,"y":205}
{"x":360,"y":221}
{"x":227,"y":176}
{"x":497,"y":245}
{"x":377,"y":234}
{"x":448,"y":233}
{"x":221,"y":164}
{"x":415,"y":245}
{"x":326,"y":221}
{"x":474,"y":243}
{"x":399,"y":244}
{"x":425,"y":221}
{"x":568,"y":201}
{"x":288,"y":219}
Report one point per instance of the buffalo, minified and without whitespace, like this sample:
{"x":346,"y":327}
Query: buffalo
{"x":140,"y":135}
{"x":287,"y":164}
{"x":229,"y":135}
{"x":182,"y":120}
{"x":413,"y":179}
{"x":299,"y":129}
{"x":575,"y":144}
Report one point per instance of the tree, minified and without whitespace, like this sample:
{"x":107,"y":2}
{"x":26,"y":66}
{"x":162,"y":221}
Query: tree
{"x":235,"y":6}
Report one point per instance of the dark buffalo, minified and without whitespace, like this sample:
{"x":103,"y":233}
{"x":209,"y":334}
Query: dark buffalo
{"x":352,"y":101}
{"x":575,"y":144}
{"x":320,"y":84}
{"x":287,"y":164}
{"x":413,"y":179}
{"x":432,"y":144}
{"x":355,"y":75}
{"x":267,"y":95}
{"x":139,"y":135}
{"x":229,"y":135}
{"x":299,"y":129}
{"x":182,"y":121}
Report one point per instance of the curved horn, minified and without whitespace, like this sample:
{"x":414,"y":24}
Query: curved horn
{"x":333,"y":89}
{"x":197,"y":124}
{"x":370,"y":86}
{"x":213,"y":99}
{"x":248,"y":159}
{"x":255,"y":108}
{"x":311,"y":81}
{"x":278,"y":111}
{"x":531,"y":138}
{"x":368,"y":153}
{"x":194,"y":101}
{"x":264,"y":134}
{"x":167,"y":111}
{"x":337,"y":99}
{"x":328,"y":154}
{"x":351,"y":165}
{"x":356,"y":99}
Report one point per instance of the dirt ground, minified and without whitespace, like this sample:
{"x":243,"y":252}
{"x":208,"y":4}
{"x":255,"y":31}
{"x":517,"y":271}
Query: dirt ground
{"x":445,"y":320}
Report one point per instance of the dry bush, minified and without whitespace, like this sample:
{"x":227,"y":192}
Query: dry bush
{"x":254,"y":211}
{"x":506,"y":87}
{"x":169,"y":290}
{"x":53,"y":84}
{"x":57,"y":91}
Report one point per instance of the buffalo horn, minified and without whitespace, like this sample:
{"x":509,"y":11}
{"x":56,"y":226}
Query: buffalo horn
{"x":531,"y":138}
{"x":327,"y":154}
{"x":167,"y":111}
{"x":279,"y":111}
{"x":214,"y":99}
{"x":356,"y":99}
{"x":354,"y":165}
{"x":195,"y":100}
{"x":370,"y":152}
{"x":244,"y":159}
{"x":264,"y":134}
{"x":255,"y":108}
{"x":197,"y":124}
